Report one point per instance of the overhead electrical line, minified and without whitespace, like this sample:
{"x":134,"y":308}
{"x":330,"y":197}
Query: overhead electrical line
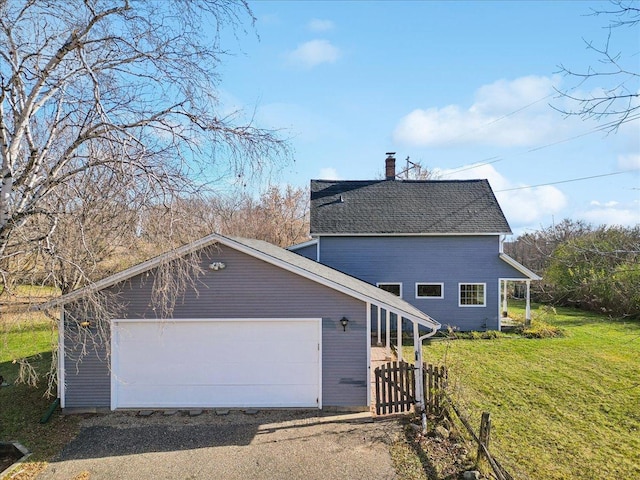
{"x":563,"y":181}
{"x":496,"y":159}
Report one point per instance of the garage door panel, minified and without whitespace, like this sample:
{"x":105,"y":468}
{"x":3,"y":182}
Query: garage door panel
{"x":216,"y":363}
{"x":231,"y":374}
{"x":189,"y":396}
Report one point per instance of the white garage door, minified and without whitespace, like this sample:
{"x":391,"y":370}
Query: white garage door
{"x":216,"y":363}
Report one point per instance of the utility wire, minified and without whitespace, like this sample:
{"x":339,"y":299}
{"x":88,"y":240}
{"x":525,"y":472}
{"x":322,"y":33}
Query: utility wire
{"x":564,"y":181}
{"x":498,"y":119}
{"x":496,"y":159}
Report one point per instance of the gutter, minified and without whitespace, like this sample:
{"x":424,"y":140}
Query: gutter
{"x":420,"y":376}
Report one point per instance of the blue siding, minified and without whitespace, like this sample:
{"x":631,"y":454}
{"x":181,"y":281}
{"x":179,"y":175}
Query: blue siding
{"x":440,"y":259}
{"x":310,"y":252}
{"x":246,"y":288}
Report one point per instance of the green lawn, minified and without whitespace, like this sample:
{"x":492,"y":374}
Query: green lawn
{"x":561,"y":408}
{"x":22,"y":406}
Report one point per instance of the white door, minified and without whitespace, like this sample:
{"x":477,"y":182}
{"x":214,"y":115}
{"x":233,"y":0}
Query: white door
{"x":216,"y":363}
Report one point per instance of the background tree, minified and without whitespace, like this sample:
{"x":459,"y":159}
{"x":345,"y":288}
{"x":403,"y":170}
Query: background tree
{"x":599,"y":270}
{"x":534,"y":249}
{"x":614,"y":84}
{"x":279,"y":216}
{"x":591,"y":268}
{"x":118,"y":92}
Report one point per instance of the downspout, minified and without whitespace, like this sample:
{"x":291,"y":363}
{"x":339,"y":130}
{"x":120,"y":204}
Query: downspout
{"x":61,"y":359}
{"x":419,"y":377}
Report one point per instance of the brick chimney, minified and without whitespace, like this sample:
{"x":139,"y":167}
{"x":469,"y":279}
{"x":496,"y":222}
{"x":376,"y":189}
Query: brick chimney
{"x":390,"y":166}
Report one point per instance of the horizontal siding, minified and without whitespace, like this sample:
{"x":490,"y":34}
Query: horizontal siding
{"x":310,"y":252}
{"x":252,"y":288}
{"x":87,"y":377}
{"x":448,"y":260}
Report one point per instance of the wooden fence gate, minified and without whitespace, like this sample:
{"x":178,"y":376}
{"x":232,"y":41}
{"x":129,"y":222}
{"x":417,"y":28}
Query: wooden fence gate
{"x":395,"y":388}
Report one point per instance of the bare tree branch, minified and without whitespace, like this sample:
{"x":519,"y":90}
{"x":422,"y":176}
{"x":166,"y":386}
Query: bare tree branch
{"x":127,"y":88}
{"x":614,"y":85}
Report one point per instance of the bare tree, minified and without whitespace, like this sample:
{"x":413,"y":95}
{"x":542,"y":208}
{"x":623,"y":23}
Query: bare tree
{"x":279,"y":216}
{"x":120,"y":90}
{"x":614,"y":83}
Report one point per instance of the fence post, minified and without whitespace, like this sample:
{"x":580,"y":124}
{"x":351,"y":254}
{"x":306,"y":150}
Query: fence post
{"x":485,"y":433}
{"x":378,"y":374}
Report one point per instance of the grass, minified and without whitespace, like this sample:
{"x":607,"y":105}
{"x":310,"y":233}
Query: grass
{"x":30,"y":336}
{"x":562,"y":407}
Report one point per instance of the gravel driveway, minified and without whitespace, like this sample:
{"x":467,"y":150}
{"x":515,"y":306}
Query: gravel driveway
{"x":265,"y":445}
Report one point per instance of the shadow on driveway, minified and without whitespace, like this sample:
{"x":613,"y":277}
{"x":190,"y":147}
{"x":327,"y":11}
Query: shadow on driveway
{"x":270,"y":444}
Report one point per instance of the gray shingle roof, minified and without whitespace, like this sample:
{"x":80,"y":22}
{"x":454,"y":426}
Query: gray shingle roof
{"x":405,"y":207}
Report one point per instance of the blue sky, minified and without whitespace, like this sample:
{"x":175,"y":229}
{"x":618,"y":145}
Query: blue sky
{"x":453,"y":85}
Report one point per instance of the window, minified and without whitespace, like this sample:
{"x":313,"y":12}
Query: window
{"x":429,"y":290}
{"x":472,"y":294}
{"x":395,"y":288}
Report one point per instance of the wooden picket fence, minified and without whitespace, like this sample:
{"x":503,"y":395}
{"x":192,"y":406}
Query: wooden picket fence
{"x":435,"y":383}
{"x":395,"y":393}
{"x":395,"y":387}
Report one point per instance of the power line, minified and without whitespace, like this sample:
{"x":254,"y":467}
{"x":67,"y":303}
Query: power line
{"x":498,"y":119}
{"x":496,"y":159}
{"x":564,"y":181}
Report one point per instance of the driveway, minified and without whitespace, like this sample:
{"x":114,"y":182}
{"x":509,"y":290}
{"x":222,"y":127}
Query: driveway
{"x":265,"y":445}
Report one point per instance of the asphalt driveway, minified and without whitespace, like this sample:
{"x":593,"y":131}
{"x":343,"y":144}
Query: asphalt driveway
{"x":265,"y":445}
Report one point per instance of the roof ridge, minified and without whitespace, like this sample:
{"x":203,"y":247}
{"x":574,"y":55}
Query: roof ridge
{"x":401,"y":181}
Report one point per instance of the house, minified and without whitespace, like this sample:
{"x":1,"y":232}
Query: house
{"x":257,"y":327}
{"x":435,"y":243}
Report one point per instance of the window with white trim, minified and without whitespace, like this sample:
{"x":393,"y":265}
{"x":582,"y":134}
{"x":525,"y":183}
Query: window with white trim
{"x":472,"y":294}
{"x":430,"y":290}
{"x":391,"y":287}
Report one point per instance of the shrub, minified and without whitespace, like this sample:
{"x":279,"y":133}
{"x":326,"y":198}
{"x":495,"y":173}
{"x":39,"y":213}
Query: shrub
{"x":541,"y":329}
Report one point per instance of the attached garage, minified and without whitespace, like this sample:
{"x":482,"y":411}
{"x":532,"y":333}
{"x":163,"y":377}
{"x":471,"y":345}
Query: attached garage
{"x":256,"y":327}
{"x":205,"y":363}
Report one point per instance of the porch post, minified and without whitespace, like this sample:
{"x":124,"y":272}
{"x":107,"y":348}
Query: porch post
{"x":504,"y":298}
{"x":379,"y":324}
{"x":387,"y":319}
{"x":527,"y":315}
{"x":399,"y":335}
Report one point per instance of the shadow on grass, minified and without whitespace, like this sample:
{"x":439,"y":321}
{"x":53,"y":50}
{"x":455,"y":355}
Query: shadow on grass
{"x":571,"y":316}
{"x":567,"y":317}
{"x":23,"y":407}
{"x":410,"y":440}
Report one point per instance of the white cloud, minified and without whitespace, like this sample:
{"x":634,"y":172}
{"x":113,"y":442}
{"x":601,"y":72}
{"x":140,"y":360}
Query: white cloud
{"x":318,"y":25}
{"x":609,"y":204}
{"x":629,"y":162}
{"x":329,"y":173}
{"x":314,"y":53}
{"x":523,"y":206}
{"x":504,"y":113}
{"x":607,"y":214}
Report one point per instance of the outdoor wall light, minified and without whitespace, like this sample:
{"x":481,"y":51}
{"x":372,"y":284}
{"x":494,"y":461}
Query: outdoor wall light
{"x":344,"y":321}
{"x":217,"y":266}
